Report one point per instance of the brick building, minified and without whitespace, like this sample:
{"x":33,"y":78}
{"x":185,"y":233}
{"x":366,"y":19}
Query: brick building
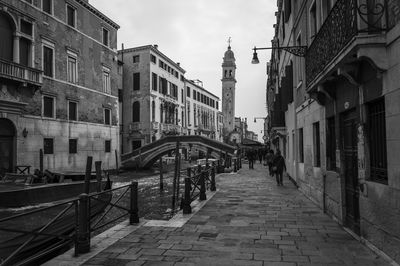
{"x":334,"y":110}
{"x":58,"y":85}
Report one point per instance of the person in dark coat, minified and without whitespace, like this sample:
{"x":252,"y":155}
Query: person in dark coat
{"x":278,"y":165}
{"x":269,"y":158}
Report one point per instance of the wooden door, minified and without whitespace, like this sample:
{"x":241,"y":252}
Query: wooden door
{"x":349,"y":145}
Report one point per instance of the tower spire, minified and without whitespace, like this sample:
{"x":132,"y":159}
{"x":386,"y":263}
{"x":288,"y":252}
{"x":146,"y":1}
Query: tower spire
{"x":229,"y":42}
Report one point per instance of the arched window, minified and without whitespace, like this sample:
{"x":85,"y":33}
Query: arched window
{"x":136,"y":112}
{"x":153,"y":111}
{"x":6,"y":40}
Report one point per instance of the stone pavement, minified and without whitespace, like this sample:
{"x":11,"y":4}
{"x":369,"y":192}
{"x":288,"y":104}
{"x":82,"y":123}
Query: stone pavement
{"x":249,"y":221}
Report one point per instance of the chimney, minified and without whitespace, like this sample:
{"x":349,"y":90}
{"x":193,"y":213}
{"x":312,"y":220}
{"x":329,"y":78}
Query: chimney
{"x":179,"y":64}
{"x":156,"y":46}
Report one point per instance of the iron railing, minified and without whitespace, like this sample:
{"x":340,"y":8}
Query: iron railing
{"x":346,"y":19}
{"x":63,"y":224}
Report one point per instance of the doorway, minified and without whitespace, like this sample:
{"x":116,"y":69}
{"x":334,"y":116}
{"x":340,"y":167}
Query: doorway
{"x":349,"y":145}
{"x":7,"y":147}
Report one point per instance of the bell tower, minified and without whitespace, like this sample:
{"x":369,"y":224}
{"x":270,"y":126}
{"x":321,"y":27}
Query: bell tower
{"x":228,"y":91}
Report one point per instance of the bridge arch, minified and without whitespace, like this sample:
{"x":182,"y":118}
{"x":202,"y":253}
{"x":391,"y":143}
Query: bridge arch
{"x":147,"y":155}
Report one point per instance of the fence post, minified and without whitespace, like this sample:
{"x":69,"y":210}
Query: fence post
{"x":234,"y":165}
{"x":82,"y":243}
{"x":203,"y":186}
{"x":97,"y":165}
{"x":134,"y":210}
{"x":187,"y":209}
{"x":161,"y":175}
{"x":212,"y":187}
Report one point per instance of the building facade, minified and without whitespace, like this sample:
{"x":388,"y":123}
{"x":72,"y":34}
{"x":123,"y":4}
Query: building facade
{"x":153,"y":96}
{"x":201,"y":110}
{"x":228,"y":92}
{"x":335,"y":110}
{"x":58,"y":85}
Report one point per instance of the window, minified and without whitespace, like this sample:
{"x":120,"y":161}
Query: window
{"x":153,"y":59}
{"x":136,"y":59}
{"x":47,"y":6}
{"x":163,"y":86}
{"x":106,"y":37}
{"x":72,"y":70}
{"x":153,"y":111}
{"x":107,"y":145}
{"x":72,"y":111}
{"x":48,"y":147}
{"x":182,"y":96}
{"x":198,"y":96}
{"x":288,"y":9}
{"x":26,"y":27}
{"x":301,"y":146}
{"x":188,"y":92}
{"x":194,"y":95}
{"x":136,"y":144}
{"x":377,"y":141}
{"x":317,"y":145}
{"x":161,"y":113}
{"x":24,"y":51}
{"x":154,"y":81}
{"x":71,"y":16}
{"x":136,"y":112}
{"x":48,"y":106}
{"x":313,"y":20}
{"x":107,"y":116}
{"x":73,"y":146}
{"x":136,"y":81}
{"x":217,"y":105}
{"x":48,"y":61}
{"x":106,"y":80}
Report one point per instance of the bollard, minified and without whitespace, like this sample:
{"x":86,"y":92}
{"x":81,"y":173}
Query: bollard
{"x":134,"y":210}
{"x":234,"y":165}
{"x":187,"y":209}
{"x":212,"y":187}
{"x":82,"y":242}
{"x":203,"y":186}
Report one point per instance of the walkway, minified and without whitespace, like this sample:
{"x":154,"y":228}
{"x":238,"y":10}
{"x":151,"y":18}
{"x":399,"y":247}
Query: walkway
{"x":249,"y":221}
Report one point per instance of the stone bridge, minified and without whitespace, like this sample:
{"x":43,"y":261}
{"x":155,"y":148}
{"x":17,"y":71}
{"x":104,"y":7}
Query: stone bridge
{"x":145,"y":156}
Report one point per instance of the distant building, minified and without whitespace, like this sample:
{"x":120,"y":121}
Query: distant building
{"x":153,"y":96}
{"x":58,"y":85}
{"x":201,"y":110}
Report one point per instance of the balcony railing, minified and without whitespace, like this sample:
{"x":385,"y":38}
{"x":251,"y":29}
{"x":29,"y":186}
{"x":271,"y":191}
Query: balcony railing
{"x":20,"y":73}
{"x":346,"y":19}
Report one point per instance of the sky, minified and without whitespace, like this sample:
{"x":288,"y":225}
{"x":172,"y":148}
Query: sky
{"x":195,"y":33}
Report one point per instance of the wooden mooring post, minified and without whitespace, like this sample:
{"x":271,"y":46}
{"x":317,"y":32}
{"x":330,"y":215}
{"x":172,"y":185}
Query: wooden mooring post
{"x":41,"y":161}
{"x":88,"y":173}
{"x":212,"y":185}
{"x":187,"y":209}
{"x":175,"y":175}
{"x":97,"y":165}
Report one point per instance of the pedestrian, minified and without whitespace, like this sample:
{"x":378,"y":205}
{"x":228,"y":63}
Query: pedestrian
{"x":250,"y":156}
{"x":260,"y":156}
{"x":278,"y":165}
{"x":270,"y":158}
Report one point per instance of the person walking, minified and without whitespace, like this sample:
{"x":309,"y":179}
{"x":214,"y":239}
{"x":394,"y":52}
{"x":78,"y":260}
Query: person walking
{"x":269,"y":158}
{"x":278,"y":165}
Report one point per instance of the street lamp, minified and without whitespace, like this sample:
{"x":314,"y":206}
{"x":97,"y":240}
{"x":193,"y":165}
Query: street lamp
{"x":295,"y":50}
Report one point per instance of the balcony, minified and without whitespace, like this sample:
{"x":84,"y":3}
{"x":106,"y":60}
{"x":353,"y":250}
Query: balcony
{"x":155,"y":125}
{"x":350,"y":26}
{"x":20,"y":73}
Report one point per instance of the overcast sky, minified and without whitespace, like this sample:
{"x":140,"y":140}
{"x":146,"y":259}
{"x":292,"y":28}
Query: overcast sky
{"x":195,"y":33}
